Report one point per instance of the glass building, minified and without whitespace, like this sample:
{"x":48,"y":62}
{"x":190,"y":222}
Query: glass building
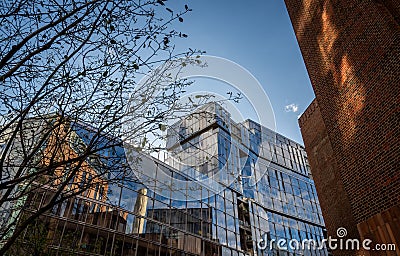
{"x":223,"y":188}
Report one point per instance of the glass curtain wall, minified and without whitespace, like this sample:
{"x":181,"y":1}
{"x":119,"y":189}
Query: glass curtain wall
{"x":267,"y":193}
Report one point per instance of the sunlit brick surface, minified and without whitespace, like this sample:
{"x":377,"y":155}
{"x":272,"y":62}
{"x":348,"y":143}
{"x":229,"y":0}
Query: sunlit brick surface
{"x":352,"y":53}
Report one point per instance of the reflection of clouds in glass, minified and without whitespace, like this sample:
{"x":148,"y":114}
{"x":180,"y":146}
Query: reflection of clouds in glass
{"x":127,"y":199}
{"x":113,"y":194}
{"x":231,"y":239}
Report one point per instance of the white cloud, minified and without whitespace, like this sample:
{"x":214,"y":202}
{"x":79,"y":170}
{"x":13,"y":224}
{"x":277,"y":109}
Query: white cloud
{"x":291,"y":108}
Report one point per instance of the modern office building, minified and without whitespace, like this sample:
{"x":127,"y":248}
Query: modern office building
{"x":242,"y":183}
{"x":351,"y":131}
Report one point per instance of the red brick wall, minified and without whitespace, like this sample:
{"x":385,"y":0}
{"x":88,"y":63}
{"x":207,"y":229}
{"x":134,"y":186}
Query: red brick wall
{"x":351,"y":49}
{"x":333,"y":199}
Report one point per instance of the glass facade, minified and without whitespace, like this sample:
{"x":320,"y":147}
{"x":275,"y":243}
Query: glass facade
{"x":260,"y":188}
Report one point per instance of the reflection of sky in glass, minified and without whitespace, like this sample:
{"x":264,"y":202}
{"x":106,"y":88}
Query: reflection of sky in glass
{"x":281,"y":190}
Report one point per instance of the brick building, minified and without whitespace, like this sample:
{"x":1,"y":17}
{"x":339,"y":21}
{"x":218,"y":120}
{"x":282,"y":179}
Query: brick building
{"x":352,"y":53}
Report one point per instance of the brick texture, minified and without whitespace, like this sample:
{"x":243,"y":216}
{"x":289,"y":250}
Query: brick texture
{"x":351,"y":49}
{"x":332,"y":197}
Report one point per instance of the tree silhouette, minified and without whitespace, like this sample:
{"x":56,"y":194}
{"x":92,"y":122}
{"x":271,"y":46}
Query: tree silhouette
{"x":68,"y":69}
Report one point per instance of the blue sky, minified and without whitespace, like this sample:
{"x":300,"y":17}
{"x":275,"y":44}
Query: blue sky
{"x":257,"y":35}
